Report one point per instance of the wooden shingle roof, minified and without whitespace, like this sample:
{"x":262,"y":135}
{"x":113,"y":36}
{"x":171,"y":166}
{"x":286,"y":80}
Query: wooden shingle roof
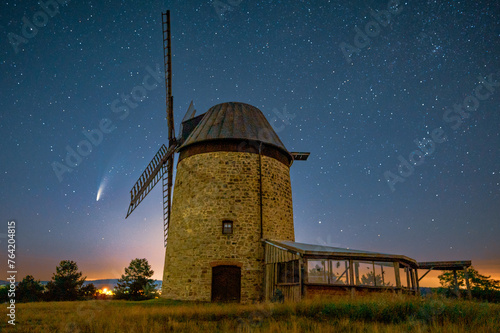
{"x":234,"y":120}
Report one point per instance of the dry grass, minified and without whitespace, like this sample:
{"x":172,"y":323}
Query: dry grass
{"x":378,"y":313}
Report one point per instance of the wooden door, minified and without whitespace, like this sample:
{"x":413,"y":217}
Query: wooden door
{"x":226,"y":284}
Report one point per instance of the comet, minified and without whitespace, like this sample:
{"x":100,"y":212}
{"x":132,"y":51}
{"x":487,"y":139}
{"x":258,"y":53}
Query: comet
{"x":101,"y":188}
{"x":99,"y":192}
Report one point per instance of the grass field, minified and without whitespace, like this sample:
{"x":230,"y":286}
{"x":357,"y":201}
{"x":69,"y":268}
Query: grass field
{"x":379,"y":313}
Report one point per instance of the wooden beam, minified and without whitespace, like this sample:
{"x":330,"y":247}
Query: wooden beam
{"x":444,"y":265}
{"x":413,"y":282}
{"x":466,"y":276}
{"x":430,"y":269}
{"x":301,"y":278}
{"x":416,"y":280}
{"x":457,"y":292}
{"x":396,"y":272}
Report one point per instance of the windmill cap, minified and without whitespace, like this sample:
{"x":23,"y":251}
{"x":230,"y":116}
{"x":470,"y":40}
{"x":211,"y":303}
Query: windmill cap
{"x":234,"y":120}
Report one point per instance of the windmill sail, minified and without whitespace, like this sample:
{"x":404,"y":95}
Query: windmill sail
{"x":167,"y":196}
{"x":162,"y":164}
{"x":172,"y":142}
{"x":150,"y":177}
{"x":167,"y":64}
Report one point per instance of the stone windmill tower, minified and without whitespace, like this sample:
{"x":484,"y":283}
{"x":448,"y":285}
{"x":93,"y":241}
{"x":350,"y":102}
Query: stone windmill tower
{"x":232,"y":190}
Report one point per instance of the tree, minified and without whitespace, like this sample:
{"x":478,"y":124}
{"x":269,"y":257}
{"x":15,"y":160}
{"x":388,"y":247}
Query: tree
{"x":4,"y":294}
{"x":66,"y":282}
{"x":370,"y":279}
{"x":136,"y":284}
{"x":150,"y":290}
{"x":29,"y":290}
{"x":88,"y":291}
{"x":476,"y":281}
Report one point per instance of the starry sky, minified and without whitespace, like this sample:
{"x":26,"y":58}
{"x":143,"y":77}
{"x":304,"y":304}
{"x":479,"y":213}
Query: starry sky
{"x":398,"y":104}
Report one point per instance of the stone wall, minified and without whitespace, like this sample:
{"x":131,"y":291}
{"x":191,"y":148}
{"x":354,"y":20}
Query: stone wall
{"x":216,"y":186}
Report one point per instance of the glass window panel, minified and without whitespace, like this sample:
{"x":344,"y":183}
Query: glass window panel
{"x":385,"y":275}
{"x":281,"y":272}
{"x":317,"y":271}
{"x":296,"y":273}
{"x":288,"y":272}
{"x":363,"y":273}
{"x":339,"y":272}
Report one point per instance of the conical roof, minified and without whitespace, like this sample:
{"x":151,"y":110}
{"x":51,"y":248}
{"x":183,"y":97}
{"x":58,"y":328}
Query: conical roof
{"x":234,"y":120}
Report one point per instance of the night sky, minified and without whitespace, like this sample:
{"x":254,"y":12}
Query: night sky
{"x":339,"y":80}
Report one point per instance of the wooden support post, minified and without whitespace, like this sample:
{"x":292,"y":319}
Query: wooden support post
{"x":351,"y":273}
{"x":356,"y":273}
{"x":416,"y":280}
{"x":301,"y":278}
{"x":329,"y":265}
{"x":324,"y":263}
{"x":413,"y":283}
{"x":347,"y":272}
{"x":351,"y":278}
{"x":398,"y":278}
{"x":466,"y":276}
{"x":275,"y":277}
{"x":408,"y":281}
{"x":457,"y":291}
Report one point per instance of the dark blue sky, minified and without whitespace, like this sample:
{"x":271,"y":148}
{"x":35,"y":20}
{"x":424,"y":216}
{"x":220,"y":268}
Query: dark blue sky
{"x":356,"y":84}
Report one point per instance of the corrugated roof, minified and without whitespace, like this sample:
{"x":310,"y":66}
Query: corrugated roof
{"x":321,"y":250}
{"x":234,"y":120}
{"x":303,"y":248}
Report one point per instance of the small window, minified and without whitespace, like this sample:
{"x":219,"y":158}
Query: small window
{"x":227,"y":227}
{"x":288,"y":272}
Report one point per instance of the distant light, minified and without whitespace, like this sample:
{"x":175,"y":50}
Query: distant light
{"x":105,"y":291}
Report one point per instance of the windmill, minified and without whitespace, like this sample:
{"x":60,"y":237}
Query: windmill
{"x":232,"y":191}
{"x":162,"y":164}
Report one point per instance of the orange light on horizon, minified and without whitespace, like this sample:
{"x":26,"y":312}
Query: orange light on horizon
{"x":106,"y":291}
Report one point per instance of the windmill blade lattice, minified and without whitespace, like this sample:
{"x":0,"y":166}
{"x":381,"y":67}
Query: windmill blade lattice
{"x":150,"y":177}
{"x":167,"y":195}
